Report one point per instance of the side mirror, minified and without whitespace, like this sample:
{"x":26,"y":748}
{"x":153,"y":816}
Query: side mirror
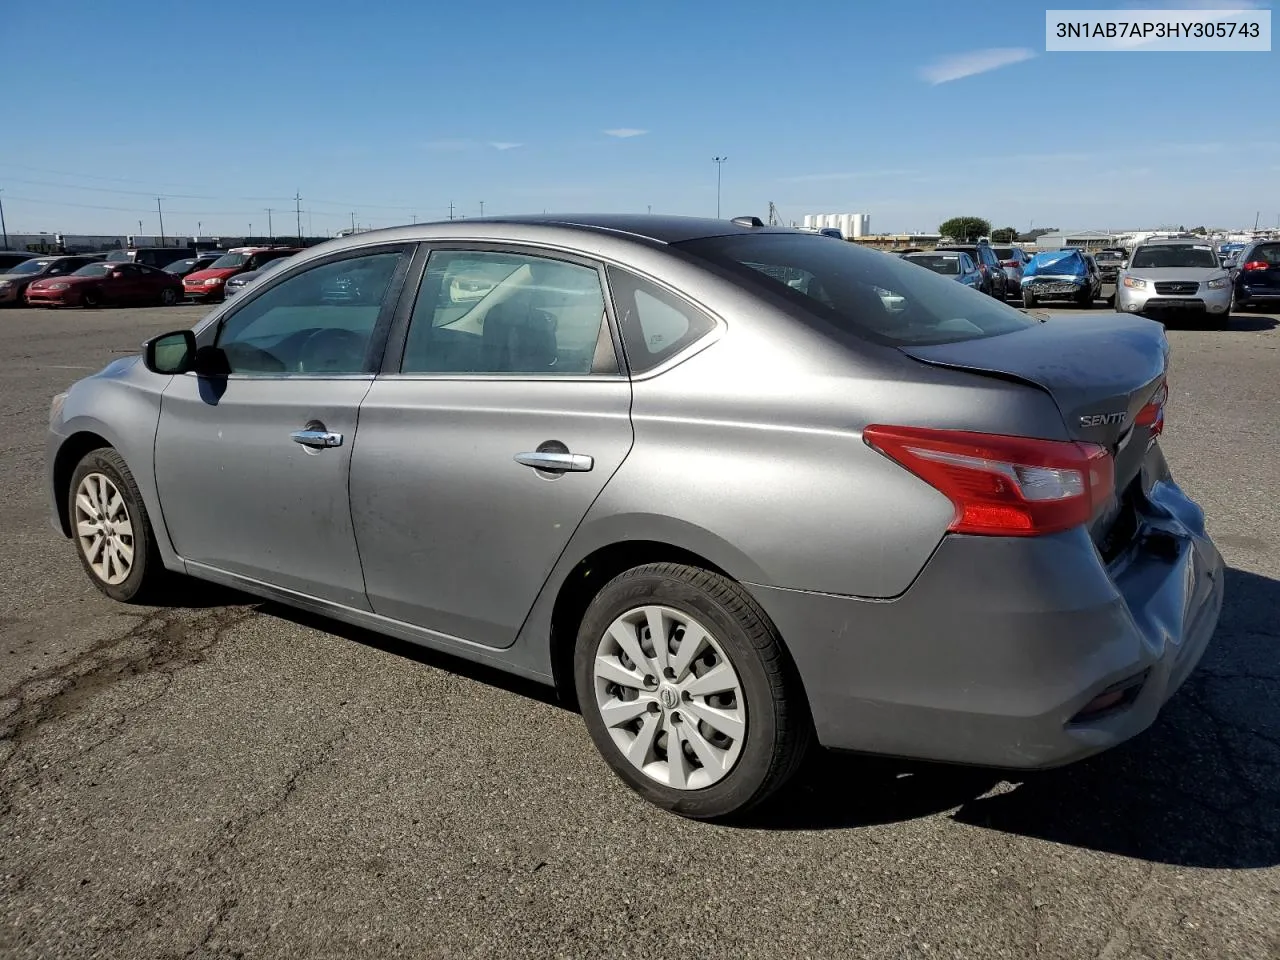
{"x":170,"y":353}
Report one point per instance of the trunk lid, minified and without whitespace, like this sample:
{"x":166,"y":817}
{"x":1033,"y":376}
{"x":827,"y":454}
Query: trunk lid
{"x":1100,"y":370}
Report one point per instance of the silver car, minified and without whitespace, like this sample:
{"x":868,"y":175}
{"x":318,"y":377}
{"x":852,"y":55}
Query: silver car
{"x":1175,"y":278}
{"x":730,"y":487}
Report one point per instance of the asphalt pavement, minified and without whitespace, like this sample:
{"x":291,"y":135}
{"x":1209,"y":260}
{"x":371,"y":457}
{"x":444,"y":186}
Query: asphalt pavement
{"x":226,"y":778}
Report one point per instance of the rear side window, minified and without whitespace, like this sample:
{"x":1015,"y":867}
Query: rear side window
{"x":857,"y":291}
{"x":655,"y":325}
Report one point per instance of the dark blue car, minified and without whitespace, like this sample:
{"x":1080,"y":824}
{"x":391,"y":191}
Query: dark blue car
{"x":1257,"y":275}
{"x":950,"y":263}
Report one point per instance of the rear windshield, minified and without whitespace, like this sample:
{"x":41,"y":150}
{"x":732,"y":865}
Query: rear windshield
{"x":1174,"y":255}
{"x":859,"y":291}
{"x":230,"y":260}
{"x":948,"y":264}
{"x":179,"y":265}
{"x":1267,"y":253}
{"x":1004,"y":253}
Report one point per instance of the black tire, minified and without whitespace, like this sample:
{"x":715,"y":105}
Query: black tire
{"x":1028,"y":299}
{"x":168,"y":297}
{"x":147,"y":575}
{"x":1086,"y":302}
{"x":91,"y":299}
{"x":779,"y":728}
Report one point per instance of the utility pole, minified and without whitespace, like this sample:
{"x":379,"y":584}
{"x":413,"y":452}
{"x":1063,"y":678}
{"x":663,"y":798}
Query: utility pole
{"x":415,"y":218}
{"x":450,"y":209}
{"x":3,"y":228}
{"x":353,"y":221}
{"x":139,"y":228}
{"x":482,"y":208}
{"x":199,"y":224}
{"x":251,"y":229}
{"x":297,"y":210}
{"x":271,"y":232}
{"x":161,"y":214}
{"x":649,"y":207}
{"x":719,"y":162}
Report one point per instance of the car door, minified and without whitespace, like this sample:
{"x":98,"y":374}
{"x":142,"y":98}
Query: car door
{"x":486,"y":439}
{"x":252,"y":464}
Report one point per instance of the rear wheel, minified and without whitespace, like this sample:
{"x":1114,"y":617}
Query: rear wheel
{"x":112,"y":532}
{"x":687,"y":691}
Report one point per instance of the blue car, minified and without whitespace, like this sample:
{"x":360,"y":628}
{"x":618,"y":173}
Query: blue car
{"x":1061,"y":275}
{"x":950,"y":263}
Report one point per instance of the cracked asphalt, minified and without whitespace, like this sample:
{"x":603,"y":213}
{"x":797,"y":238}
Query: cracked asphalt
{"x":224,"y":778}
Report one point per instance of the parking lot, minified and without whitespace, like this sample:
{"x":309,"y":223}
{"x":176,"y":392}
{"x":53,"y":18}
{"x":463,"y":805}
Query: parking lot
{"x":224,"y":777}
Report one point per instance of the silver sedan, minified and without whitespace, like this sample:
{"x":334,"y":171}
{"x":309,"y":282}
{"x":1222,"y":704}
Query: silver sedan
{"x":731,"y":488}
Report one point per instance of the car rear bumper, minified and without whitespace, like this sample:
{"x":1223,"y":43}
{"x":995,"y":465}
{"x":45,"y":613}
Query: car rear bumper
{"x":1252,"y":292}
{"x":992,"y":654}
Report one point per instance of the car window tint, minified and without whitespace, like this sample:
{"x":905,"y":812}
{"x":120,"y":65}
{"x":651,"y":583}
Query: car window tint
{"x":857,"y":291}
{"x":316,"y":322}
{"x":1266,"y":253}
{"x":656,"y":324}
{"x":488,"y":312}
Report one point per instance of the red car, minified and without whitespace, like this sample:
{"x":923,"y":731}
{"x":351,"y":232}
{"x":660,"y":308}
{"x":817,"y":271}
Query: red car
{"x":103,"y":283}
{"x":210,"y":284}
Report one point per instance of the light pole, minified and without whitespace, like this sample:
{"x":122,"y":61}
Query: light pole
{"x":3,"y":228}
{"x":270,"y":229}
{"x":719,"y":162}
{"x":199,"y":224}
{"x":160,"y":213}
{"x":482,"y":208}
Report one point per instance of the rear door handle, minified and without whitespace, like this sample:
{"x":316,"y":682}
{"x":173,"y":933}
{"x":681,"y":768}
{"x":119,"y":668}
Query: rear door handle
{"x":556,"y":462}
{"x":317,"y":438}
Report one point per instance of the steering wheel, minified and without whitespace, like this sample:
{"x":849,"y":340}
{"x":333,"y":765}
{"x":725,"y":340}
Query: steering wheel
{"x":332,"y":348}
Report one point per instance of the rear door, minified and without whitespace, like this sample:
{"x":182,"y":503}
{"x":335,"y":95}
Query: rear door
{"x":252,"y":467}
{"x":486,"y":438}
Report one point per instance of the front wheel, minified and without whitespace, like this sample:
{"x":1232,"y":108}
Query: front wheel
{"x":91,"y":299}
{"x":687,"y":691}
{"x":1028,"y":299}
{"x":168,"y":297}
{"x":112,"y":532}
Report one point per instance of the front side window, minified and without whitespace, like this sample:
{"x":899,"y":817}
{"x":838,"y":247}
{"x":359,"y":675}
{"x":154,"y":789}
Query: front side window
{"x":96,"y":270}
{"x":859,"y":291}
{"x":487,"y":312}
{"x":320,"y":321}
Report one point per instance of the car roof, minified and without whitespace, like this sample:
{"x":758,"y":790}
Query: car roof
{"x":1174,"y":241}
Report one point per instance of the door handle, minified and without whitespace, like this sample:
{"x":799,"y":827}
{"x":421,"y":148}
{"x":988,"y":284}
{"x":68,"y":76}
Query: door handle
{"x":556,"y":462}
{"x":316,"y":438}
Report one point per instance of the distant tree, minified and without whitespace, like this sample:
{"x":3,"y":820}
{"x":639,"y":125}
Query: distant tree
{"x":1201,"y":231}
{"x":1004,"y":235}
{"x":1037,"y":233}
{"x":965,"y":228}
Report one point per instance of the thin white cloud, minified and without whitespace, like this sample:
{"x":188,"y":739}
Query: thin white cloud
{"x":847,"y":175}
{"x":504,"y":145}
{"x":625,"y":132}
{"x":973,"y":63}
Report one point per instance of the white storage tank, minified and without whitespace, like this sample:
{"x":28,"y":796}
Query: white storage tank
{"x":808,"y":221}
{"x":846,"y":224}
{"x":832,"y":220}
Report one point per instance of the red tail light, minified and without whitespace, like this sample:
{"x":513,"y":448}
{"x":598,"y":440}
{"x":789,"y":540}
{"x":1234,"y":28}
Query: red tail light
{"x":1256,"y":265}
{"x":1152,"y":415}
{"x":1009,"y":263}
{"x":1003,"y":486}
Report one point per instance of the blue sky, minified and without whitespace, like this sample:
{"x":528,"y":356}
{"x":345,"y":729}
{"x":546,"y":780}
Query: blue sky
{"x":393,"y":110}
